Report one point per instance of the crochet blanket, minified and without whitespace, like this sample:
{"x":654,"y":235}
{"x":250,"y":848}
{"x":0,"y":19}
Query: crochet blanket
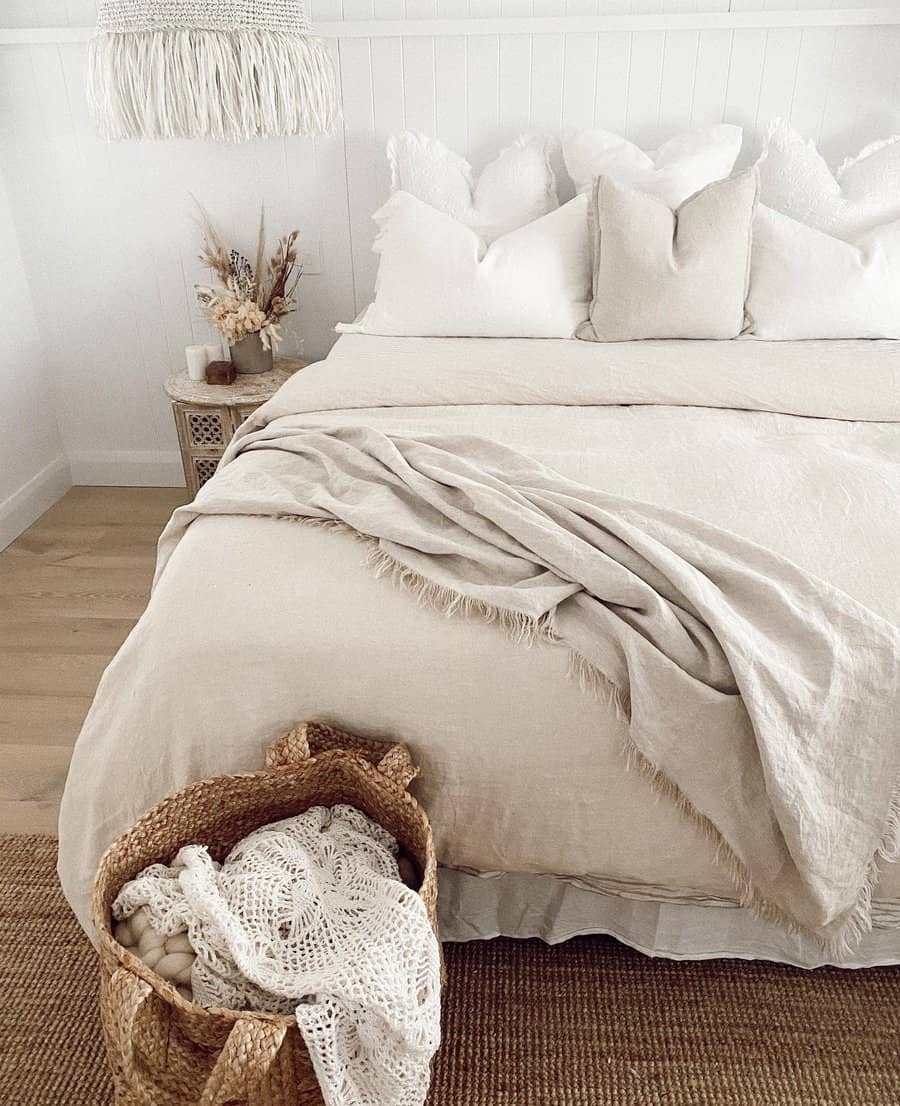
{"x":761,"y":700}
{"x":309,"y":915}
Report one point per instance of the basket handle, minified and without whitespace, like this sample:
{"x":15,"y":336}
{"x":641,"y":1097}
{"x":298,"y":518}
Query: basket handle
{"x":239,"y":1070}
{"x":244,"y":1061}
{"x":126,"y":996}
{"x":308,"y":739}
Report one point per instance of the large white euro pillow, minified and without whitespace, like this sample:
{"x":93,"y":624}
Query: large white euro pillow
{"x":516,"y":188}
{"x":678,"y":169}
{"x":805,"y":283}
{"x":438,"y":278}
{"x":795,"y":179}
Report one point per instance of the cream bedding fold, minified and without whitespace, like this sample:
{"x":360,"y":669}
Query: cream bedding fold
{"x":256,"y":622}
{"x":760,"y":699}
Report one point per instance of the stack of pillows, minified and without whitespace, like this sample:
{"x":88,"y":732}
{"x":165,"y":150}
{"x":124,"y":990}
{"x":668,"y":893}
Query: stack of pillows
{"x":669,"y":244}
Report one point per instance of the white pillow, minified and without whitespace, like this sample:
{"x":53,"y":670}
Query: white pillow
{"x":805,"y":283}
{"x":438,"y":278}
{"x":516,"y":188}
{"x":678,"y":169}
{"x":795,"y":180}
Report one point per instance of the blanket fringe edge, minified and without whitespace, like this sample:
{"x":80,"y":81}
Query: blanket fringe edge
{"x":837,"y":940}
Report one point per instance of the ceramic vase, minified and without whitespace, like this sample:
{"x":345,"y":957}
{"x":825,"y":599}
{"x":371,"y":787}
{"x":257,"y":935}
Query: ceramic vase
{"x":248,"y":355}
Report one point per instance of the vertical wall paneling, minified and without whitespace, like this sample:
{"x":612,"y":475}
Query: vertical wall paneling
{"x":483,"y":81}
{"x":613,"y":80}
{"x":679,"y":72}
{"x":814,"y":59}
{"x":852,"y":53}
{"x":711,"y":77}
{"x":645,"y":73}
{"x":515,"y":75}
{"x":548,"y":60}
{"x":107,"y":232}
{"x":359,"y":124}
{"x":579,"y":77}
{"x":875,"y":110}
{"x":451,"y":82}
{"x":419,"y":72}
{"x":748,"y":56}
{"x":779,"y":76}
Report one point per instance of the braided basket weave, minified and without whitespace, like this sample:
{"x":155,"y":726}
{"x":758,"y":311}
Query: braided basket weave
{"x":165,"y":1051}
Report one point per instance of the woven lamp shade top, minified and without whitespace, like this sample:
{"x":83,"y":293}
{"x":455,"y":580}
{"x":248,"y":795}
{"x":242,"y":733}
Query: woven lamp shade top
{"x":117,"y":16}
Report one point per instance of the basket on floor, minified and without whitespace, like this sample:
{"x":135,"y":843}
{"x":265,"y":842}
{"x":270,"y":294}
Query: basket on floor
{"x":166,"y":1051}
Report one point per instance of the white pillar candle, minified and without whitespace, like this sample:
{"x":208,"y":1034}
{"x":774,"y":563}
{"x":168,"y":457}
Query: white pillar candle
{"x":197,"y":360}
{"x":213,"y":352}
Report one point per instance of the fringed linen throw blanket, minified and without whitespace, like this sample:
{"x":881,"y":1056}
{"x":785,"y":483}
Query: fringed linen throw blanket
{"x":761,"y":700}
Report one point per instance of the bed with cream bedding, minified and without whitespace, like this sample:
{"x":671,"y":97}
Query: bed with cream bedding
{"x":256,"y":622}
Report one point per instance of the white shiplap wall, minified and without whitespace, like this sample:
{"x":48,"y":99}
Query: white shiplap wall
{"x":33,"y":468}
{"x":107,"y":231}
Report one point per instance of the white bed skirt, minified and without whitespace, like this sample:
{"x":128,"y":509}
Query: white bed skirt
{"x":475,"y":907}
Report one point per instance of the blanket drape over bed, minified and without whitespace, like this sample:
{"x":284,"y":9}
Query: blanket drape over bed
{"x":762,"y":700}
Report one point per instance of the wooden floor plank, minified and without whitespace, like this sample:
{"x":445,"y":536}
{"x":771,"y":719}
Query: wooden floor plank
{"x":54,"y":635}
{"x":50,"y":673}
{"x":71,"y":588}
{"x":123,"y":506}
{"x":42,"y":817}
{"x":17,"y":580}
{"x":33,"y":773}
{"x":111,"y":546}
{"x":89,"y":605}
{"x":41,"y":719}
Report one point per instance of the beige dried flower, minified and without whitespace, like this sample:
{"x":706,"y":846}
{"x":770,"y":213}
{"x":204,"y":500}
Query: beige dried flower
{"x":243,"y":303}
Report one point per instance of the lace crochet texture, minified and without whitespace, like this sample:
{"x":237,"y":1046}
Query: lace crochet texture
{"x":309,"y":915}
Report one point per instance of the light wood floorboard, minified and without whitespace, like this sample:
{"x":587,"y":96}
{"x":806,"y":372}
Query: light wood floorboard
{"x":71,"y":588}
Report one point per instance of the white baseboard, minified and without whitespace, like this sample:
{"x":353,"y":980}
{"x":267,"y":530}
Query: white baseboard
{"x":128,"y":468}
{"x":19,"y":510}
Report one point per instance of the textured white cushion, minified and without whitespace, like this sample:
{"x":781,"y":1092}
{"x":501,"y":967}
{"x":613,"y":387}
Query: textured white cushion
{"x":438,"y":278}
{"x":678,"y":169}
{"x":660,"y":273}
{"x":795,"y":180}
{"x":805,"y":283}
{"x":516,"y":188}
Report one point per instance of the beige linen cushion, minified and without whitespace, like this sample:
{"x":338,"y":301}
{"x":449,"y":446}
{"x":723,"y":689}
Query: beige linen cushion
{"x":660,"y":273}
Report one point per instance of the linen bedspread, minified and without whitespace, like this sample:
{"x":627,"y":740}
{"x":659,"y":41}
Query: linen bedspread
{"x":795,"y":779}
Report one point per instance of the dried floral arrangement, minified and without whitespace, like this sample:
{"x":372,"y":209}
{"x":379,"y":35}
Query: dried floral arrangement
{"x":249,"y":299}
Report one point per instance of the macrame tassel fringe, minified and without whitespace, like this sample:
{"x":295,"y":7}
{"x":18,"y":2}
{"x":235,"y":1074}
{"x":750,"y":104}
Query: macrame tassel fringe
{"x":229,"y":86}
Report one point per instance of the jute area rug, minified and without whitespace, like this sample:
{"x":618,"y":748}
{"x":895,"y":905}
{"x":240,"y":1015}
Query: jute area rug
{"x":587,"y":1023}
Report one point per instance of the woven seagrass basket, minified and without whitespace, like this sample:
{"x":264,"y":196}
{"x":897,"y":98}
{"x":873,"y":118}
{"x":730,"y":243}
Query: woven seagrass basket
{"x":165,"y":1051}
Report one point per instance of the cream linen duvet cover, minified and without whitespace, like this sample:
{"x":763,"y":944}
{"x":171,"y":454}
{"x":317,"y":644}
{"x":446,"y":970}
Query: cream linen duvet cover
{"x":795,"y":448}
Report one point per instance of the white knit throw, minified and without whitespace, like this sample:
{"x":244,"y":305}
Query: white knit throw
{"x":223,"y":69}
{"x":310,"y":915}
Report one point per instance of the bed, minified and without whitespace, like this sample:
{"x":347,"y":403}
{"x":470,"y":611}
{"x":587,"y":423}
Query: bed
{"x":541,"y":828}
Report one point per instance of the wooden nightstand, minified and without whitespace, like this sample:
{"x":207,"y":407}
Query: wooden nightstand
{"x":207,"y":415}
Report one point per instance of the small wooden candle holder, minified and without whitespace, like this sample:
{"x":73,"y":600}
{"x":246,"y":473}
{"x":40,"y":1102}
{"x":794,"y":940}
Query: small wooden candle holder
{"x":220,"y":372}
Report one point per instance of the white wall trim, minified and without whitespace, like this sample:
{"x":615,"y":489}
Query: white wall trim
{"x":128,"y":468}
{"x":540,"y":25}
{"x":19,"y":510}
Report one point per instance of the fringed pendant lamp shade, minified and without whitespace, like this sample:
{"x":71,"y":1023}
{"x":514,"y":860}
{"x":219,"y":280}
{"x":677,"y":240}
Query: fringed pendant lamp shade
{"x":228,"y":70}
